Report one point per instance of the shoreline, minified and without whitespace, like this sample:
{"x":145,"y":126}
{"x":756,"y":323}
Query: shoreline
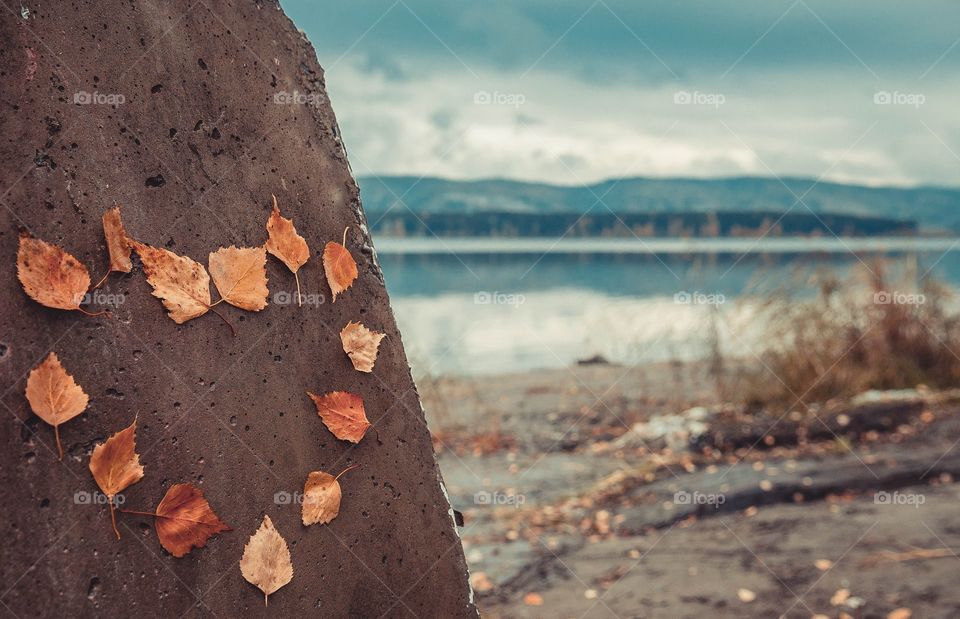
{"x":567,"y":480}
{"x":659,"y":245}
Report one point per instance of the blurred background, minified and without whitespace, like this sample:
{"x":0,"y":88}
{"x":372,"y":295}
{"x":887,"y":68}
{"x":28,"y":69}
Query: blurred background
{"x":677,"y":284}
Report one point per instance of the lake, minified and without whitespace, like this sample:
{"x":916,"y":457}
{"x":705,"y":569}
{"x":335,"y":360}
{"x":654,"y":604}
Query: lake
{"x":487,"y":306}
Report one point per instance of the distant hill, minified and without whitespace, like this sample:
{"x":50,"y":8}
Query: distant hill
{"x":512,"y":207}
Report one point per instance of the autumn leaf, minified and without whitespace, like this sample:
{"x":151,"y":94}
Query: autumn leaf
{"x":184,"y":520}
{"x":51,"y":276}
{"x":240,"y":275}
{"x":321,"y":497}
{"x":339,"y":265}
{"x":286,"y":244}
{"x":266,"y":560}
{"x":54,"y":396}
{"x":360,"y":344}
{"x":118,"y":246}
{"x":181,"y":283}
{"x":343,"y":414}
{"x":116,"y":466}
{"x":533,"y":599}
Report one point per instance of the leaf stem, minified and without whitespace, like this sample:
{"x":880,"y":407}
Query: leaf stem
{"x":113,"y":519}
{"x":232,"y":330}
{"x":100,"y":313}
{"x":345,"y":236}
{"x":296,"y":276}
{"x":103,"y":279}
{"x":349,"y":468}
{"x":133,"y":511}
{"x":56,"y":432}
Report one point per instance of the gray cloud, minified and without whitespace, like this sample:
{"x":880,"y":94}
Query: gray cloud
{"x":582,"y":90}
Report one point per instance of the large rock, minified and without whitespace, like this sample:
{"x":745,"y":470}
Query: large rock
{"x":171,"y":109}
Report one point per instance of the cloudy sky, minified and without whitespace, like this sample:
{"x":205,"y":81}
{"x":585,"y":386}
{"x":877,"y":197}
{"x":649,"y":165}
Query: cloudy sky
{"x":570,"y":91}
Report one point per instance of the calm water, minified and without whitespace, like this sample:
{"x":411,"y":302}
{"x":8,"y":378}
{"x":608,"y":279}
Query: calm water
{"x":472,"y":307}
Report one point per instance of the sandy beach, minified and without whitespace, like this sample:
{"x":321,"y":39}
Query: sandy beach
{"x":602,"y":490}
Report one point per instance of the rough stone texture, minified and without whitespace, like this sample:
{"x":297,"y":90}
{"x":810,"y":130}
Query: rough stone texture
{"x":192,"y":155}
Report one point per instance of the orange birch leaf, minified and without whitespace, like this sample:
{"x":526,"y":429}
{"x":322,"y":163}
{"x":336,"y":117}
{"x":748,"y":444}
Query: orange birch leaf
{"x":118,"y":246}
{"x":286,"y":244}
{"x":240,"y":275}
{"x":339,"y":265}
{"x":116,"y":466}
{"x":184,"y":520}
{"x":360,"y":344}
{"x":54,"y":396}
{"x":343,"y":414}
{"x":321,"y":497}
{"x":181,"y":283}
{"x":49,"y":275}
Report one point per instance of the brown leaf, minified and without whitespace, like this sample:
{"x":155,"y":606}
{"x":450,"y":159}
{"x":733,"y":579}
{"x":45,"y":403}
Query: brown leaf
{"x":49,"y":275}
{"x":117,"y":244}
{"x":185,"y":520}
{"x":339,"y":265}
{"x":266,"y":560}
{"x":116,"y":466}
{"x":321,"y":497}
{"x":360,"y":344}
{"x":182,"y":284}
{"x":285,"y":243}
{"x":240,"y":275}
{"x":533,"y":599}
{"x":342,"y":412}
{"x":54,"y":396}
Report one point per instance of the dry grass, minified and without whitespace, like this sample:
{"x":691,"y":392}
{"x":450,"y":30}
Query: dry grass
{"x":846,"y":339}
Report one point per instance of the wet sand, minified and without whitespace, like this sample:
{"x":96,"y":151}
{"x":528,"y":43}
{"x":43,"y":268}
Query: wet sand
{"x":569,"y":513}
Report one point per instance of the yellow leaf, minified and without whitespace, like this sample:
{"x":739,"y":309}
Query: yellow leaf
{"x":240,"y":275}
{"x":49,"y":275}
{"x":54,"y":396}
{"x":181,"y":283}
{"x":266,"y":560}
{"x":360,"y":344}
